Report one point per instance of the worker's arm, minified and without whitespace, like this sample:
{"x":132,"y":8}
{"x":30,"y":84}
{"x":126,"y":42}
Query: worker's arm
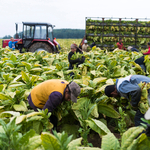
{"x":135,"y":97}
{"x":119,"y":45}
{"x":72,"y":61}
{"x":124,"y":48}
{"x":53,"y":101}
{"x":10,"y":44}
{"x":147,"y":53}
{"x":133,"y":90}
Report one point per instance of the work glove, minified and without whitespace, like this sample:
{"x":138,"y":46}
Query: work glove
{"x":148,"y":130}
{"x":82,"y":59}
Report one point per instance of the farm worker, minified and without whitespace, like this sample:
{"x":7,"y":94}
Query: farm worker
{"x":120,"y":44}
{"x":77,"y":61}
{"x":52,"y":93}
{"x":133,"y":49}
{"x":85,"y":46}
{"x":12,"y":43}
{"x":140,"y":60}
{"x":128,"y":87}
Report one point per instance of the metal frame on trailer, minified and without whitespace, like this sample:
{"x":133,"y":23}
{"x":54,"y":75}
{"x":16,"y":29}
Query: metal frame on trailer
{"x":134,"y":22}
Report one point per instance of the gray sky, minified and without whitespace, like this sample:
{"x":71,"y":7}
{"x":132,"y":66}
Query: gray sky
{"x":66,"y":13}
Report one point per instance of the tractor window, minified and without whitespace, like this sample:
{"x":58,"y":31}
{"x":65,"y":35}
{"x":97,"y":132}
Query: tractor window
{"x":28,"y":31}
{"x":37,"y":32}
{"x":43,"y":32}
{"x":50,"y":35}
{"x":40,"y":32}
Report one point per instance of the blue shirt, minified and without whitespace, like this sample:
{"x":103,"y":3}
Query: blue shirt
{"x":131,"y":88}
{"x":12,"y":44}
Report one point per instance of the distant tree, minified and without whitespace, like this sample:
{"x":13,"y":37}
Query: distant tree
{"x":69,"y":33}
{"x":64,"y":33}
{"x":7,"y":37}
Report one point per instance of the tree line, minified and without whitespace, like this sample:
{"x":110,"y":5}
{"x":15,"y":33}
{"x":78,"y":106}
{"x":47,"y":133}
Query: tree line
{"x":60,"y":34}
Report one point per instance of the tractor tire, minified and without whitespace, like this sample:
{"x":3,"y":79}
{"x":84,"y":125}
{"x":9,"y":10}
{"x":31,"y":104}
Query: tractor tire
{"x":38,"y":46}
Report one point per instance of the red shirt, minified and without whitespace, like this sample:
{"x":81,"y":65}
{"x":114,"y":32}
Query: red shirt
{"x":147,"y":52}
{"x":120,"y":46}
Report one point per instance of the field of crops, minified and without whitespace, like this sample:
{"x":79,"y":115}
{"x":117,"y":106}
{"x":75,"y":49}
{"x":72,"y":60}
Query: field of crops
{"x":0,"y":43}
{"x":95,"y":122}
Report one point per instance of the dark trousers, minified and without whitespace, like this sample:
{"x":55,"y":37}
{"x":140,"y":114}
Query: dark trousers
{"x":53,"y":119}
{"x":137,"y":118}
{"x":134,"y":50}
{"x":140,"y":61}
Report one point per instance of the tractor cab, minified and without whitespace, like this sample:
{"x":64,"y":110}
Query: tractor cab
{"x":36,"y":37}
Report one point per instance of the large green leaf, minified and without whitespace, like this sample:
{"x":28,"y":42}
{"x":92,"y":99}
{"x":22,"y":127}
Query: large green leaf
{"x":36,"y":70}
{"x":13,"y":58}
{"x":49,"y":141}
{"x":25,"y":138}
{"x":37,"y":126}
{"x":99,"y":80}
{"x":110,"y":142}
{"x":80,"y":103}
{"x":20,"y":107}
{"x":27,"y":65}
{"x":144,"y":142}
{"x":87,"y":148}
{"x":20,"y":119}
{"x":2,"y":87}
{"x":4,"y":97}
{"x":74,"y":143}
{"x":11,"y":113}
{"x":25,"y":77}
{"x":98,"y":126}
{"x":19,"y":84}
{"x":95,"y":111}
{"x":129,"y":136}
{"x":107,"y":110}
{"x":34,"y":114}
{"x":34,"y":142}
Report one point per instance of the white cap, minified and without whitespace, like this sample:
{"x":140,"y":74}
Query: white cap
{"x":85,"y":41}
{"x":129,"y":47}
{"x":147,"y":115}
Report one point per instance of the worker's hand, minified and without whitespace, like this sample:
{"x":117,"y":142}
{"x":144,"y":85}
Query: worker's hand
{"x":148,"y":130}
{"x":82,"y":59}
{"x":133,"y":107}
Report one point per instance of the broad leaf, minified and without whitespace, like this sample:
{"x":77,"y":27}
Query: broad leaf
{"x":110,"y":142}
{"x":34,"y":142}
{"x":50,"y":142}
{"x":129,"y":136}
{"x":4,"y":97}
{"x":20,"y":107}
{"x":73,"y":144}
{"x":107,"y":110}
{"x":25,"y":77}
{"x":98,"y":126}
{"x":21,"y":118}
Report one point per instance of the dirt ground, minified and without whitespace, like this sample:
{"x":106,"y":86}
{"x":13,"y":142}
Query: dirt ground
{"x":95,"y":139}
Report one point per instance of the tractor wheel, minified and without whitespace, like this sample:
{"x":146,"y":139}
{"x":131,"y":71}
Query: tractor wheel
{"x":39,"y":46}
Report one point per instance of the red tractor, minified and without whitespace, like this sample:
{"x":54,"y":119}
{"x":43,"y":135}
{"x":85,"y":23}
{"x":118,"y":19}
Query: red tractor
{"x":36,"y":37}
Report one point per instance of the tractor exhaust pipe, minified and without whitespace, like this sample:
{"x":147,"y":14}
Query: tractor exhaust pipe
{"x":17,"y":36}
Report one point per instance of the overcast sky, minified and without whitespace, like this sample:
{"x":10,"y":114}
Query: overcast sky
{"x":66,"y":13}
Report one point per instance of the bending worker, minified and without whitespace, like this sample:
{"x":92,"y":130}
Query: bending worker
{"x":128,"y":87}
{"x":140,"y":60}
{"x":120,"y":46}
{"x":52,"y":93}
